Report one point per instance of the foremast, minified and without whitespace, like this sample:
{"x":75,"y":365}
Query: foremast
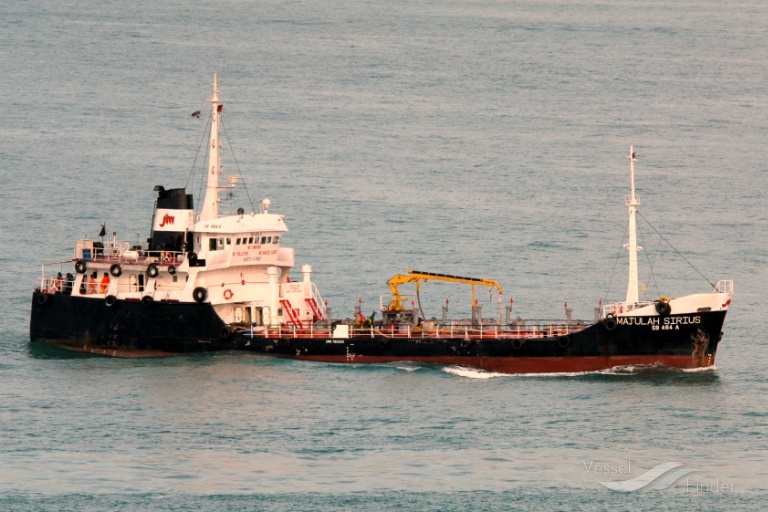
{"x":632,"y":201}
{"x":211,"y":201}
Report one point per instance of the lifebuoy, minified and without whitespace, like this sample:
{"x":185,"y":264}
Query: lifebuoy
{"x":517,"y":344}
{"x":116,"y":270}
{"x":172,"y":270}
{"x":42,"y":298}
{"x":111,"y":300}
{"x":192,"y":259}
{"x":610,"y":322}
{"x":663,"y":308}
{"x":147,"y":301}
{"x":81,"y":267}
{"x":564,"y":341}
{"x":200,"y":294}
{"x":228,"y":294}
{"x":153,"y":271}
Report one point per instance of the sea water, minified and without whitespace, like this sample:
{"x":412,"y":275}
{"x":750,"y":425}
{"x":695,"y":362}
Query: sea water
{"x":478,"y":138}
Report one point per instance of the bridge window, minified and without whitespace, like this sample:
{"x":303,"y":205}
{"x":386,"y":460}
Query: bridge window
{"x":216,"y":244}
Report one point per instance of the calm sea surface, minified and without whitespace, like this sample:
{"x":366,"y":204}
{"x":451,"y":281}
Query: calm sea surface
{"x":481,"y":138}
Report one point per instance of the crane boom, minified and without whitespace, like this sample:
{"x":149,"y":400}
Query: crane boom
{"x":417,"y":277}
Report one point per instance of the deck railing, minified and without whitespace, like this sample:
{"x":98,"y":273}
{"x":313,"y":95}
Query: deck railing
{"x":527,"y":329}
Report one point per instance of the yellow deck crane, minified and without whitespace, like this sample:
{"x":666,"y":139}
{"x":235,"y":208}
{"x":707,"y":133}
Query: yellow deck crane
{"x":395,"y":305}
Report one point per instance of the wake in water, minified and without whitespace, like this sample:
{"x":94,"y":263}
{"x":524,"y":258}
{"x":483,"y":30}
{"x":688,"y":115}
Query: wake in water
{"x":629,"y":370}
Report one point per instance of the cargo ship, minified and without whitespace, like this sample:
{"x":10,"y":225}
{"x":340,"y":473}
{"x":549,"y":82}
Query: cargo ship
{"x":209,"y":280}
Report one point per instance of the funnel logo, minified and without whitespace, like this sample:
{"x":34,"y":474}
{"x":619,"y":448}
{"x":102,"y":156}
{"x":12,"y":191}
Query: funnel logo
{"x":672,"y":475}
{"x":167,"y":219}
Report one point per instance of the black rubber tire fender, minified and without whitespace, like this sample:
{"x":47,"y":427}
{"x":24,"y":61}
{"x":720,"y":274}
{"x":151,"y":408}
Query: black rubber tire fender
{"x":153,"y":270}
{"x":200,"y":294}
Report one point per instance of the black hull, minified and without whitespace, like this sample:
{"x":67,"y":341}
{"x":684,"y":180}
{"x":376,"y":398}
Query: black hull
{"x":133,"y":329}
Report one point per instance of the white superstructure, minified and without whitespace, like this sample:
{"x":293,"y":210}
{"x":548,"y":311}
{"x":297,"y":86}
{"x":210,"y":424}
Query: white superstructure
{"x":237,"y":263}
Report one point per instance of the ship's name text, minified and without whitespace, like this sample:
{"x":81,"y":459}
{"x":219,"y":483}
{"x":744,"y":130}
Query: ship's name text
{"x":669,"y":322}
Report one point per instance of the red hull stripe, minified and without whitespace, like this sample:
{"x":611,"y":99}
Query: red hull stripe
{"x":530,"y":364}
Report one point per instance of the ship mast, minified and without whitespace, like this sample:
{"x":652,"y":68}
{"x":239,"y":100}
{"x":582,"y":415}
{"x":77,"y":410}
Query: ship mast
{"x":632,"y":200}
{"x":211,"y":201}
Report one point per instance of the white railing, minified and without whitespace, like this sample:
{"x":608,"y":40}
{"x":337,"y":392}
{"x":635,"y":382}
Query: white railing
{"x":523,"y":330}
{"x":724,"y":286}
{"x":318,"y":299}
{"x":620,"y":308}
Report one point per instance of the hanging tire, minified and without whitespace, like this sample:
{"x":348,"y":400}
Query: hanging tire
{"x":517,"y":343}
{"x":192,"y":259}
{"x":172,"y":270}
{"x":383,"y":342}
{"x":111,"y":301}
{"x":225,"y":332}
{"x":147,"y":301}
{"x":43,"y":298}
{"x":153,"y":271}
{"x":200,"y":294}
{"x":116,"y":270}
{"x":610,"y":322}
{"x":80,"y":267}
{"x":564,"y":341}
{"x":663,"y":308}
